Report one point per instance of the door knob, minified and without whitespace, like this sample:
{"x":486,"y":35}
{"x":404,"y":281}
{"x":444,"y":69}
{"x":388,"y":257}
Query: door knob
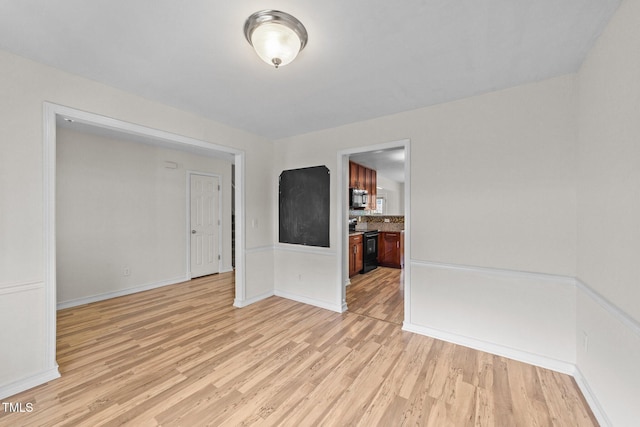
{"x":193,"y":231}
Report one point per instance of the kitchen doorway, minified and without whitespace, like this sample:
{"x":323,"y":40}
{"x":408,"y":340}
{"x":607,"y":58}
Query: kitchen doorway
{"x":368,"y":296}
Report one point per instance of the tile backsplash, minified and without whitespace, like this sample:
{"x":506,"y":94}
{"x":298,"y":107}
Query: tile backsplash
{"x":380,"y":222}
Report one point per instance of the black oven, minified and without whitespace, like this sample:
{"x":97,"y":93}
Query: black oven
{"x":370,"y":250}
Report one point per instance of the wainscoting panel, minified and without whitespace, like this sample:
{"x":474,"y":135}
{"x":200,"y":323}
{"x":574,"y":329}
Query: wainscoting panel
{"x":307,"y":275}
{"x":608,"y":359}
{"x":524,"y":316}
{"x":259,"y":276}
{"x":23,"y":332}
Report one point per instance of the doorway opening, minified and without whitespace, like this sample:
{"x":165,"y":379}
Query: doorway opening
{"x":383,"y":291}
{"x":55,"y":116}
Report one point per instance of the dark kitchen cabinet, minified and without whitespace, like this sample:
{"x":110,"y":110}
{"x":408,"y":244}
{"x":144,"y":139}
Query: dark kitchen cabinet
{"x":372,"y":182}
{"x":364,"y":178}
{"x":391,"y":249}
{"x":353,"y":176}
{"x":355,"y":254}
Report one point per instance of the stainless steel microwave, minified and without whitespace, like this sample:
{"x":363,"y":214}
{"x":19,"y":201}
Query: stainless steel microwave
{"x":358,"y":199}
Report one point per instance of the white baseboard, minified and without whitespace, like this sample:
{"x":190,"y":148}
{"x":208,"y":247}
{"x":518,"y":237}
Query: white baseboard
{"x":493,"y":348}
{"x":29,"y":382}
{"x":591,"y":399}
{"x":311,"y":301}
{"x":119,"y":293}
{"x":521,"y":356}
{"x":243,"y":303}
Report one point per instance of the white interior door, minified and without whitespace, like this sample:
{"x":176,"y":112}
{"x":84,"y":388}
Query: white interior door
{"x":205,"y":257}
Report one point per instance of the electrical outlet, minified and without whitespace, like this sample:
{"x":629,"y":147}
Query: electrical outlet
{"x":126,"y":271}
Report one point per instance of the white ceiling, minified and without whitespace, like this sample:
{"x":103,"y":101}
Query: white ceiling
{"x":364,"y":59}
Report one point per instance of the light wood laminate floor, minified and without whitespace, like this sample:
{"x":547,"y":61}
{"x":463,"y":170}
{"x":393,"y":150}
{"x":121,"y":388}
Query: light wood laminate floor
{"x":181,"y":355}
{"x":378,"y":294}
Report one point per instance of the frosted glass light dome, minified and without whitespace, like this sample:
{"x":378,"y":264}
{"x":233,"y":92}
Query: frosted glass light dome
{"x":277,"y":37}
{"x":275,"y":44}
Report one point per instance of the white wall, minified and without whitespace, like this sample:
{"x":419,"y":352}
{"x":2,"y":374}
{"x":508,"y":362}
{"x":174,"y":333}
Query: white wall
{"x":492,"y":185}
{"x":609,"y":163}
{"x":393,"y":192}
{"x":316,"y":266}
{"x":609,"y":217}
{"x":26,"y":359}
{"x":117,"y":206}
{"x":493,"y":176}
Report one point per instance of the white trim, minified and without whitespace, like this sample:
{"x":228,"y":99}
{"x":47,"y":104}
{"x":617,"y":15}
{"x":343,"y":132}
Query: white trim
{"x":240,"y":244}
{"x":493,"y":348}
{"x":29,"y":382}
{"x":49,"y":230}
{"x":591,"y":399}
{"x":304,"y":249}
{"x":244,"y":303}
{"x":407,"y":228}
{"x":342,"y":247}
{"x":122,"y":292}
{"x":609,"y":307}
{"x":556,"y":278}
{"x":14,"y":288}
{"x":258,"y":249}
{"x":342,"y":214}
{"x":137,"y":130}
{"x":306,"y":300}
{"x":189,"y":174}
{"x":50,"y":112}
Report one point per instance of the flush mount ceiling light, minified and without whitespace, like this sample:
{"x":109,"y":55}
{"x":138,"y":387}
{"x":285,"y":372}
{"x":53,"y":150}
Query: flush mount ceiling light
{"x":277,"y":37}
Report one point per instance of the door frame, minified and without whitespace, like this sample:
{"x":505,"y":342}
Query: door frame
{"x":343,"y":216}
{"x":51,"y":112}
{"x":190,"y":173}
